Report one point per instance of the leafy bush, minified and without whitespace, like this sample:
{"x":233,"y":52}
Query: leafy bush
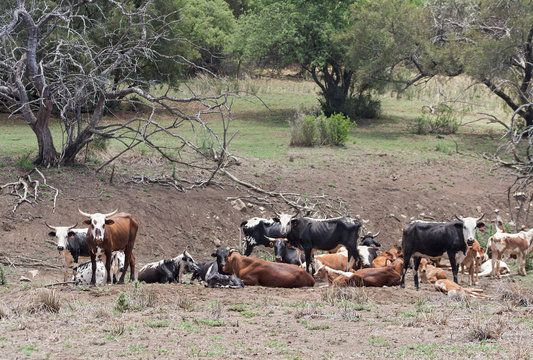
{"x":442,"y":122}
{"x":310,"y":131}
{"x":363,"y":107}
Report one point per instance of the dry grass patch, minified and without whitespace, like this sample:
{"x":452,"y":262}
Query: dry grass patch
{"x":490,"y":329}
{"x":515,"y":295}
{"x":45,"y":300}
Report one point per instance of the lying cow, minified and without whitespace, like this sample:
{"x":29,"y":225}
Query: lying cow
{"x":337,"y":261}
{"x":385,"y":258}
{"x":84,"y":271}
{"x":206,"y":268}
{"x":519,"y":244}
{"x":254,"y":271}
{"x":218,"y":280}
{"x":371,"y":277}
{"x":486,"y":269}
{"x":285,"y":254}
{"x":430,"y":273}
{"x":167,"y":271}
{"x":71,"y":245}
{"x":453,"y":289}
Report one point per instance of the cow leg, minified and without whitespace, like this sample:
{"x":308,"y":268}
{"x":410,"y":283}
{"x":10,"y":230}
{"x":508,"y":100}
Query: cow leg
{"x":128,"y":253}
{"x":416,"y":264}
{"x":93,"y":268}
{"x":453,"y":263}
{"x":308,"y":260}
{"x":407,"y":257}
{"x":108,"y":267}
{"x":353,"y":256}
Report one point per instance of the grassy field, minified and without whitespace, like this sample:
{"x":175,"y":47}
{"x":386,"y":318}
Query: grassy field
{"x":264,"y":132}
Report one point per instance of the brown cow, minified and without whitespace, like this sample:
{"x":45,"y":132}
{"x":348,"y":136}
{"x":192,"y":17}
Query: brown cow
{"x":374,"y":277}
{"x":253,"y":271}
{"x":118,"y":235}
{"x":514,"y":244}
{"x":472,"y":262}
{"x":430,"y":273}
{"x":386,"y":258}
{"x":325,"y":272}
{"x":337,"y":261}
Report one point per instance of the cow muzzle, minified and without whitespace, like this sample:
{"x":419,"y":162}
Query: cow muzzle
{"x":278,"y":259}
{"x":60,"y":248}
{"x":470,"y":242}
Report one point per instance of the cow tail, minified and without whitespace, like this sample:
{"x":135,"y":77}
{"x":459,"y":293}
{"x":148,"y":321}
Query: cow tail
{"x":240,"y":239}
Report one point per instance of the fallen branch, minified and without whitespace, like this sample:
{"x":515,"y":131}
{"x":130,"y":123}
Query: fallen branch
{"x":60,"y":283}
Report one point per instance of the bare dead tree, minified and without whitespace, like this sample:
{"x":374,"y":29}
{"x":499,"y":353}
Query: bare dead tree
{"x":77,"y":58}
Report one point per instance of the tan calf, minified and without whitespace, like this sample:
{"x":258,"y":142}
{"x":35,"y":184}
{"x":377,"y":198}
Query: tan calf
{"x":472,"y":262}
{"x":518,"y":244}
{"x":430,"y":273}
{"x":453,"y":289}
{"x":385,"y":258}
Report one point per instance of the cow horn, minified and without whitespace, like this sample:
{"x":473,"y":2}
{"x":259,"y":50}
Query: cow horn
{"x":84,"y":213}
{"x":459,"y":218}
{"x":481,"y":217}
{"x":51,"y":227}
{"x":269,"y":238}
{"x":111,"y":213}
{"x":73,"y":226}
{"x":376,"y":234}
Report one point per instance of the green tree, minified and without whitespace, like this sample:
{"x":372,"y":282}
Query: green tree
{"x":308,"y":33}
{"x":488,"y":40}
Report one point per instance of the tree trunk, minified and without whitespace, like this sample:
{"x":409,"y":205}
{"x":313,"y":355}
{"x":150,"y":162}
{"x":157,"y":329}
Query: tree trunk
{"x":47,"y":152}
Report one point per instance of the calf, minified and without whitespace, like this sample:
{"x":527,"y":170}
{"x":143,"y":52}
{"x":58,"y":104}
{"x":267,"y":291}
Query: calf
{"x":377,"y":277}
{"x":367,"y":254}
{"x":167,"y":271}
{"x":84,"y":271}
{"x":513,"y":244}
{"x":486,"y":268}
{"x":430,"y":273}
{"x":216,"y":280}
{"x":108,"y":233}
{"x":338,"y":261}
{"x":385,"y":258}
{"x":472,"y":262}
{"x":433,"y":239}
{"x":205,"y":268}
{"x":254,"y":271}
{"x":71,"y":245}
{"x":286,"y":254}
{"x":453,"y":289}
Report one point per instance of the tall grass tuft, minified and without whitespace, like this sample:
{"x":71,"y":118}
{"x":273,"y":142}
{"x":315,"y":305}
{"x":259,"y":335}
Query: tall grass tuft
{"x":45,"y":300}
{"x":3,"y":280}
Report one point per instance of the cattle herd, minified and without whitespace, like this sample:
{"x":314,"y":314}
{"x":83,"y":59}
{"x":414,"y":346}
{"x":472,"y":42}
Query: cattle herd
{"x":108,"y":241}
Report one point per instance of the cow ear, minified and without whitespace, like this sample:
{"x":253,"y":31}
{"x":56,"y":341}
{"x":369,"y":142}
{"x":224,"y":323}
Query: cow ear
{"x":276,"y":219}
{"x":52,"y":233}
{"x":214,"y":254}
{"x":71,"y":234}
{"x":481,"y":226}
{"x":109,"y":222}
{"x":294,"y":222}
{"x":271,"y":244}
{"x":87,"y":222}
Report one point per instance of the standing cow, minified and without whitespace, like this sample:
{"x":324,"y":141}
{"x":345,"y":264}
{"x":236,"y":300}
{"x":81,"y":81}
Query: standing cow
{"x":108,"y":233}
{"x":71,"y":244}
{"x":433,"y":239}
{"x":256,"y":230}
{"x":323,"y":234}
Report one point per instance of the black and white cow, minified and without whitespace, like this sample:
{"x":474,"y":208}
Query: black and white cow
{"x":168,"y":270}
{"x":323,"y":234}
{"x":255,"y":232}
{"x":71,"y":244}
{"x":286,"y":254}
{"x":433,"y":239}
{"x":218,"y":280}
{"x":84,"y":271}
{"x":367,"y":250}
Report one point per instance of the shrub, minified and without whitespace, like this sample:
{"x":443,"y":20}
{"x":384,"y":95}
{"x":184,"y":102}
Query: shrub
{"x":304,"y":131}
{"x":333,"y":130}
{"x":25,"y":162}
{"x":363,"y":107}
{"x":442,"y":122}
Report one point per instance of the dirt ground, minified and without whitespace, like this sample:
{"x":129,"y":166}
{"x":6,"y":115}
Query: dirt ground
{"x":178,"y":321}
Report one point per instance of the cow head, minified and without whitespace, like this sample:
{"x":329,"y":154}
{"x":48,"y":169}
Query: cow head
{"x":280,"y":248}
{"x":423,"y":265}
{"x":229,"y":259}
{"x":187,"y":262}
{"x":61,"y":233}
{"x":470,"y":225}
{"x":368,"y":240}
{"x":286,"y":222}
{"x":97,"y":223}
{"x":221,"y":254}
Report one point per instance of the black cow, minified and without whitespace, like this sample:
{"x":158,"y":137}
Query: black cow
{"x":308,"y":234}
{"x":205,"y":268}
{"x":286,"y":254}
{"x":255,"y":230}
{"x":167,"y":270}
{"x":71,"y":244}
{"x":369,"y":240}
{"x":433,"y":239}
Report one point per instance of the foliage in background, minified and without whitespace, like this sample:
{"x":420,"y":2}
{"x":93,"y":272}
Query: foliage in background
{"x":443,"y":121}
{"x":308,"y":130}
{"x":3,"y":280}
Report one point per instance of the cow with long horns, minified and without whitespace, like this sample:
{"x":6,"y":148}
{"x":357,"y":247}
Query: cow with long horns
{"x":111,"y":232}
